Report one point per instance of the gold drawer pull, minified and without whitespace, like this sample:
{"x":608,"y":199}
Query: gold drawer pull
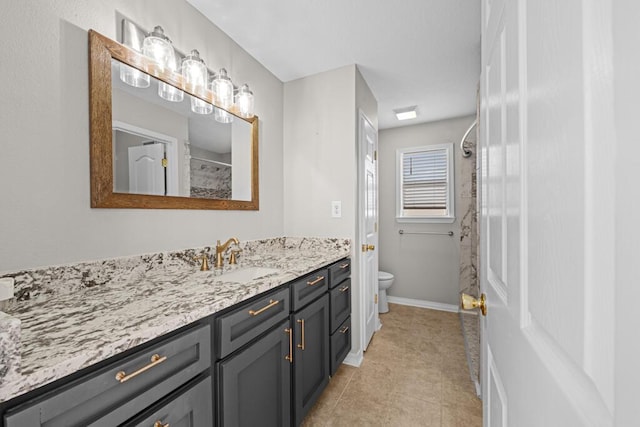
{"x":345,"y":289}
{"x":155,"y":360}
{"x":289,"y":356}
{"x":301,"y":346}
{"x":345,"y":265}
{"x":344,"y":330}
{"x":272,"y":303}
{"x":315,"y":282}
{"x":159,"y":424}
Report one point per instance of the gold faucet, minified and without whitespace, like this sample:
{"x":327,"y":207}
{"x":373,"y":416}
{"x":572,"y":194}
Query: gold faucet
{"x":220,"y":250}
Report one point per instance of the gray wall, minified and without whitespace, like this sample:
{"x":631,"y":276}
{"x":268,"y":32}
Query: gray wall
{"x":46,"y":214}
{"x":320,"y":161}
{"x":426,"y":267}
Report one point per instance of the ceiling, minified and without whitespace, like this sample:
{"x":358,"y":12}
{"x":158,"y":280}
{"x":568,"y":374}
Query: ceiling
{"x":410,"y":52}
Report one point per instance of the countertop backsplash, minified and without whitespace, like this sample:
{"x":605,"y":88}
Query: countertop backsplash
{"x":68,"y":317}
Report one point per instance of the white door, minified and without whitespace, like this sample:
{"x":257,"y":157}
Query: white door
{"x":368,"y":137}
{"x":546,"y":203}
{"x":146,"y":170}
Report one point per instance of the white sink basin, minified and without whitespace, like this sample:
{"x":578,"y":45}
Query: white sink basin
{"x":247,"y":274}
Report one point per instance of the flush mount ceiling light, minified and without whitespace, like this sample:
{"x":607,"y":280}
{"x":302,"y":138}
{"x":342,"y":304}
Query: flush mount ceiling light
{"x":406,"y":113}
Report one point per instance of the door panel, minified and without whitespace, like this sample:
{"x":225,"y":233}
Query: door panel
{"x":543,"y":227}
{"x":146,"y":173}
{"x":369,"y":229}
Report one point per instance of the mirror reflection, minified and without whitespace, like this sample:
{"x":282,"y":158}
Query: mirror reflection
{"x":162,"y":147}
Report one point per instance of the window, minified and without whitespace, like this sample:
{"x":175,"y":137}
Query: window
{"x":425,"y":184}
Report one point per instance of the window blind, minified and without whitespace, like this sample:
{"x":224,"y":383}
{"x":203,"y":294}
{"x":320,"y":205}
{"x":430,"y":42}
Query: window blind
{"x":424,"y":180}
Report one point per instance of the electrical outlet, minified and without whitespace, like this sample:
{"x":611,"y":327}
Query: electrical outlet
{"x":336,"y":209}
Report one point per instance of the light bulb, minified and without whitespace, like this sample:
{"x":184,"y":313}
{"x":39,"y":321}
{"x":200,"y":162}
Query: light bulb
{"x":195,"y":75}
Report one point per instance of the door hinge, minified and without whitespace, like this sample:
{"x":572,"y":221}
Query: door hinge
{"x":376,"y":298}
{"x":165,"y":162}
{"x":375,"y":154}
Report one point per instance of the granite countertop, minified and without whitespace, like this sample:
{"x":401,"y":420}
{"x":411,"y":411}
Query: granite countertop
{"x":63,"y":332}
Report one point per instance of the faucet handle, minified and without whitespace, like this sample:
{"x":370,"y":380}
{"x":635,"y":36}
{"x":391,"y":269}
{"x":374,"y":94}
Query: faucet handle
{"x":205,"y":262}
{"x":233,"y":257}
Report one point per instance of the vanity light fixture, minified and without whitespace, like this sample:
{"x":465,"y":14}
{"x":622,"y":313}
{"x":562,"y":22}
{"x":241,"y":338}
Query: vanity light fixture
{"x":244,"y":101}
{"x":406,"y":113}
{"x":196,"y":77}
{"x":158,"y":47}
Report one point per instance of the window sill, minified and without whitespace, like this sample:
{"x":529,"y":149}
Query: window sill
{"x":426,"y":220}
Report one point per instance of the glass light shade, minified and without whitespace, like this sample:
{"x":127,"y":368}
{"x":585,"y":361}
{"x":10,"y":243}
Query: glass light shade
{"x":158,"y":47}
{"x":196,"y":77}
{"x":199,"y":106}
{"x":222,"y":88}
{"x":134,"y":77}
{"x":195,"y":73}
{"x":244,"y":101}
{"x":222,"y":116}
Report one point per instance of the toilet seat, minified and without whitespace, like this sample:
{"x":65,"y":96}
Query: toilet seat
{"x":383,"y":275}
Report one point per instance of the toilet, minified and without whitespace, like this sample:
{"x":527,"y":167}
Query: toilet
{"x":385,"y":280}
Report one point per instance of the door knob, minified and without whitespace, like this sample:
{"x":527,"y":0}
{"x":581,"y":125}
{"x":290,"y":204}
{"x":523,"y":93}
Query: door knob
{"x":467,"y":302}
{"x":366,"y":247}
{"x":371,"y":247}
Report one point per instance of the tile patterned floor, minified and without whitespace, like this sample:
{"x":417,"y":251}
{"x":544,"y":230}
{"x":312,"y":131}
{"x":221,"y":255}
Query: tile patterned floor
{"x":414,"y":373}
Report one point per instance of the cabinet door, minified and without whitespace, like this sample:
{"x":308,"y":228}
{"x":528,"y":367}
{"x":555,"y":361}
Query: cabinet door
{"x":191,"y":407}
{"x":340,"y":345}
{"x":311,"y":357}
{"x":255,"y":382}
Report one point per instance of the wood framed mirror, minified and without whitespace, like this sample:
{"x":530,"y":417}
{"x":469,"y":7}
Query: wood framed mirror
{"x":131,"y":128}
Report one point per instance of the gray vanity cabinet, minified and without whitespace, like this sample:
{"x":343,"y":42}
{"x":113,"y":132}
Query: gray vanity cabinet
{"x":191,"y":407}
{"x":254,"y":384}
{"x":311,"y":357}
{"x":340,"y":293}
{"x":114,"y":394}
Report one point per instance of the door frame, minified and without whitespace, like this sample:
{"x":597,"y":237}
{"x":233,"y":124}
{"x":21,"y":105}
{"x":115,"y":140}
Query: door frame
{"x":171,"y":150}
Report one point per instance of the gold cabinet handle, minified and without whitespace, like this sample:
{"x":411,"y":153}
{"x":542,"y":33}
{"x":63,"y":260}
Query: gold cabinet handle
{"x":289,"y":356}
{"x":272,"y":303}
{"x":467,"y":302}
{"x":344,"y":330}
{"x":315,"y":282}
{"x":155,"y":360}
{"x":345,"y":289}
{"x":345,"y":265}
{"x":301,"y":345}
{"x":159,"y":424}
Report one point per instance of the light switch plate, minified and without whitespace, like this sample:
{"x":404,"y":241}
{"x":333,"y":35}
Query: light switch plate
{"x":336,"y":209}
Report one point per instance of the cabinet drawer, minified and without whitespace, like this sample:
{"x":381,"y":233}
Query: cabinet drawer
{"x":340,"y":304}
{"x":338,"y":272}
{"x":238,"y":327}
{"x":340,"y":345}
{"x":192,"y":407}
{"x":308,"y":288}
{"x":114,"y":394}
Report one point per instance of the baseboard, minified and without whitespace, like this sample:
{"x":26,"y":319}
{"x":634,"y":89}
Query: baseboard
{"x":354,"y":359}
{"x":423,"y":304}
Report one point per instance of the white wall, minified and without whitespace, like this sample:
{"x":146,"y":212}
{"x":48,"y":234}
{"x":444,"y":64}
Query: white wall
{"x":319,"y":153}
{"x":45,"y":214}
{"x":426,"y":267}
